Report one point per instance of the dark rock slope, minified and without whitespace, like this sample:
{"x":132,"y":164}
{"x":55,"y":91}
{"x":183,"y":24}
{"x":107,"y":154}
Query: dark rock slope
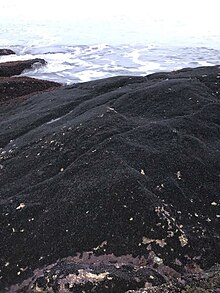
{"x":123,"y":170}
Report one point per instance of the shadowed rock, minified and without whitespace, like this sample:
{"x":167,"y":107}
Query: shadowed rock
{"x":16,"y":67}
{"x":6,"y":52}
{"x":124,"y":166}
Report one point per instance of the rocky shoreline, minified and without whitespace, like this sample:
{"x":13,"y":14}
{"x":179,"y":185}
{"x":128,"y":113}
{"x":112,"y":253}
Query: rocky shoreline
{"x":110,"y":185}
{"x":13,"y":86}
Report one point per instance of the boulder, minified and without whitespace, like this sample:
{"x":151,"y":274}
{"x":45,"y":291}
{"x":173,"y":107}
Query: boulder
{"x":16,"y":67}
{"x":122,"y":172}
{"x":6,"y":52}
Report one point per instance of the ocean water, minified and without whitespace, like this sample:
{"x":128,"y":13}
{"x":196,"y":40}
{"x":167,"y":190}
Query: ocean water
{"x":82,"y":50}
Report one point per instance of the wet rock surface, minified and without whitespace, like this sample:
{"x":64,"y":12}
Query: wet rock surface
{"x":88,"y":273}
{"x":204,"y":282}
{"x":108,"y":274}
{"x":11,"y":68}
{"x":125,"y":168}
{"x":6,"y":52}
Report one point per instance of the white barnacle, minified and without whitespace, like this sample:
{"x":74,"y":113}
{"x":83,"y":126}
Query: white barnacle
{"x":158,"y":260}
{"x":179,"y":176}
{"x":183,"y":240}
{"x":142,"y":172}
{"x":111,"y":109}
{"x":21,"y":206}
